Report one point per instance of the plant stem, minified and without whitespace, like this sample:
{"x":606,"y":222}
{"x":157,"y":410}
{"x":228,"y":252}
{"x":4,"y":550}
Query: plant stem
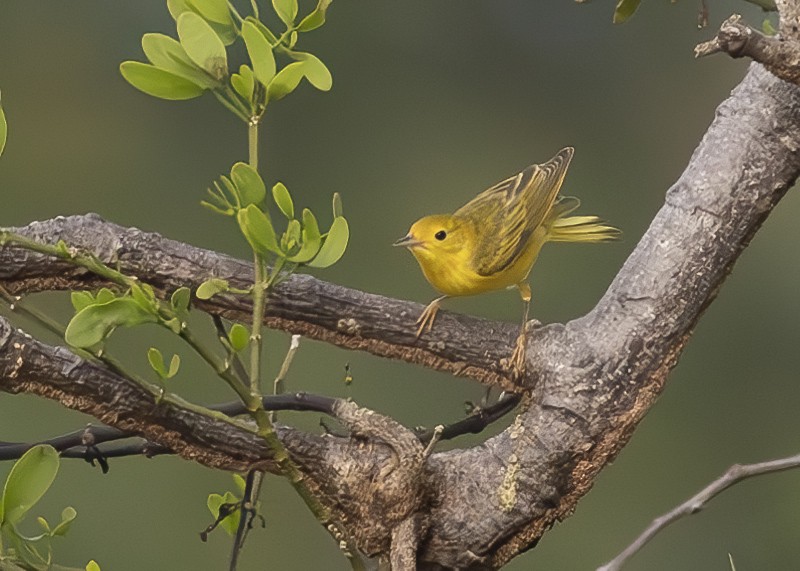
{"x":260,"y":278}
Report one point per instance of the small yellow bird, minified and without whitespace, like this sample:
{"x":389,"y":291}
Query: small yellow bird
{"x":493,"y":241}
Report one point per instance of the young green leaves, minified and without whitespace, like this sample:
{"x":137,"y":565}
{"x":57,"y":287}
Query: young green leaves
{"x":96,"y":317}
{"x":302,"y":243}
{"x":198,"y":61}
{"x":29,"y":479}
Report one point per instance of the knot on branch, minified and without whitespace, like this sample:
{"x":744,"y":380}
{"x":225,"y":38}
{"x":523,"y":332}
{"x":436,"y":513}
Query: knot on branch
{"x":387,"y":497}
{"x":779,"y":54}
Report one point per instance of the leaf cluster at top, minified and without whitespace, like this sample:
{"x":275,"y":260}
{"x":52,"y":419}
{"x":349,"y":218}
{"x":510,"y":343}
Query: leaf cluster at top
{"x":198,"y":60}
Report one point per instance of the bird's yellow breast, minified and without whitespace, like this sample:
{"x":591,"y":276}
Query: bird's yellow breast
{"x":453,"y":273}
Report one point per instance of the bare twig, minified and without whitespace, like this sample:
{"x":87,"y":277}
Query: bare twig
{"x":732,"y":476}
{"x":277,"y":384}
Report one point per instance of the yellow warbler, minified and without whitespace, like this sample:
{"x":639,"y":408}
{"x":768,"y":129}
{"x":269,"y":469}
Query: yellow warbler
{"x":493,"y":241}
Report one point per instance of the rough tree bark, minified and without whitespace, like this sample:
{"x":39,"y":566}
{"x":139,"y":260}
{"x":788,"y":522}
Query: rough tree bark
{"x":588,"y":382}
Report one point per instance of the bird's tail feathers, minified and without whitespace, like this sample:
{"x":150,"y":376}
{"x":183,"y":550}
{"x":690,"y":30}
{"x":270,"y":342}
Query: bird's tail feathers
{"x":582,"y":229}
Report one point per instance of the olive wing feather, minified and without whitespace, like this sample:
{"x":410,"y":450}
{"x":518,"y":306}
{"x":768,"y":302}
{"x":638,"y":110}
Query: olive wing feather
{"x":508,"y":213}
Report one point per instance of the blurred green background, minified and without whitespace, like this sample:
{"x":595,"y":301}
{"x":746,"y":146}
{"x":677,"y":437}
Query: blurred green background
{"x":432,"y":102}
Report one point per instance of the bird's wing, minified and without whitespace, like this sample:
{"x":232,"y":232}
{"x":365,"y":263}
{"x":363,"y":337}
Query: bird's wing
{"x":507,"y":214}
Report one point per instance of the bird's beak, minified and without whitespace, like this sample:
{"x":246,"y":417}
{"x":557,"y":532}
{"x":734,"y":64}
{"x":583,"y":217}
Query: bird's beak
{"x":407,"y":241}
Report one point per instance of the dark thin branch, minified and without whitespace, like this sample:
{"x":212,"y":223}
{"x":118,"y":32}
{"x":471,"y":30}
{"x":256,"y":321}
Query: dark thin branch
{"x":105,"y":439}
{"x":734,"y":475}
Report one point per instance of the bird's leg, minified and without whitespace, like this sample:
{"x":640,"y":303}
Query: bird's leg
{"x":425,"y":320}
{"x":518,"y":356}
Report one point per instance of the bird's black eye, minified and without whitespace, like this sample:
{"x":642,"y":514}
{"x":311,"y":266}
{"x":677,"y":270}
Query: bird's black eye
{"x":440,"y":235}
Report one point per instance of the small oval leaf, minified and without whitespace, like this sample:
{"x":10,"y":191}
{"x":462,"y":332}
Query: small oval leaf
{"x":202,"y":44}
{"x":30,"y":477}
{"x":624,"y":10}
{"x":239,"y":337}
{"x":180,"y":300}
{"x":81,"y":299}
{"x":286,"y":10}
{"x":68,"y":515}
{"x":211,"y":287}
{"x":158,"y":82}
{"x":312,"y":239}
{"x":337,"y":205}
{"x":258,"y":230}
{"x":316,"y":18}
{"x":156,"y":360}
{"x":248,"y":184}
{"x":334,"y":245}
{"x":260,"y":52}
{"x":315,"y":71}
{"x":286,"y":81}
{"x":283,"y":199}
{"x":174,"y":365}
{"x":168,"y":54}
{"x":93,"y":324}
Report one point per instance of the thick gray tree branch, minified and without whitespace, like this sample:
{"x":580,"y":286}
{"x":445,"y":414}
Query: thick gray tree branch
{"x":589,"y":381}
{"x":462,"y":345}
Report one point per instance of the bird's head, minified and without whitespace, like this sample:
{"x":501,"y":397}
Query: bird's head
{"x":436,"y":237}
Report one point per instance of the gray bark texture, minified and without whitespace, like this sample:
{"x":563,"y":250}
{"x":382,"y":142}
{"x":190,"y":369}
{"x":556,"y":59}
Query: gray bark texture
{"x":587,"y":383}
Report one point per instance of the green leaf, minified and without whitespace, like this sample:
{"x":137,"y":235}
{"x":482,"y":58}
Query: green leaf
{"x":230,"y":523}
{"x":224,"y":29}
{"x":244,"y":82}
{"x":272,"y":38}
{"x":286,"y":10}
{"x":334,"y":245}
{"x":766,"y":27}
{"x":44,"y":525}
{"x":175,"y":325}
{"x":29,"y":479}
{"x":624,"y":10}
{"x":156,"y":360}
{"x":158,"y":82}
{"x":202,"y":44}
{"x":81,"y":299}
{"x":315,"y":71}
{"x":68,"y":515}
{"x":286,"y":80}
{"x":232,"y":190}
{"x":260,"y":52}
{"x":283,"y":199}
{"x":290,"y":241}
{"x":240,"y":483}
{"x":337,"y":205}
{"x":248,"y":184}
{"x":211,"y":287}
{"x":258,"y":230}
{"x":213,"y":10}
{"x":168,"y":54}
{"x":180,"y":300}
{"x":105,"y":295}
{"x":3,"y":130}
{"x":312,"y":239}
{"x":144,"y":295}
{"x":316,"y":18}
{"x":239,"y":337}
{"x":93,"y":324}
{"x":174,"y":365}
{"x":177,"y":7}
{"x":92,"y":566}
